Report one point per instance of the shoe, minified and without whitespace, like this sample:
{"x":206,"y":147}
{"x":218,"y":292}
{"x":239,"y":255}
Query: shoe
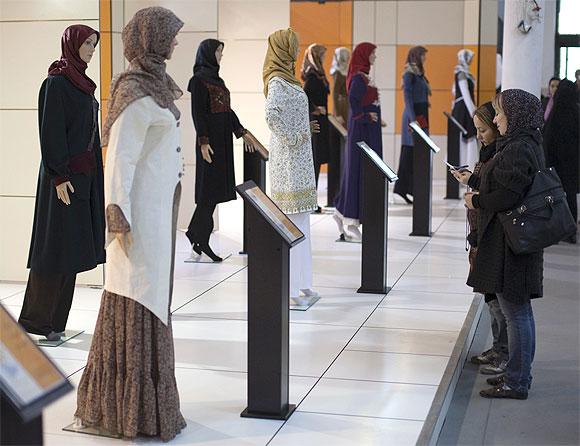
{"x":309,"y":292}
{"x":318,"y":210}
{"x":353,"y":233}
{"x":503,"y":391}
{"x":404,"y":197}
{"x":208,"y":252}
{"x":495,"y":368}
{"x":499,"y":380}
{"x":340,"y":225}
{"x":300,"y":301}
{"x":195,"y":248}
{"x":52,"y":336}
{"x":572,"y":240}
{"x":486,"y":357}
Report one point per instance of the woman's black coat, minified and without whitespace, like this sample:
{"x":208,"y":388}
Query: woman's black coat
{"x":503,"y":183}
{"x":67,"y":239}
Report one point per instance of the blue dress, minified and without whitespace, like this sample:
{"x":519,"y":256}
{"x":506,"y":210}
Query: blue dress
{"x":363,"y":99}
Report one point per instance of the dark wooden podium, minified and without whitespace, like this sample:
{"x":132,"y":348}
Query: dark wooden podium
{"x":338,"y":137}
{"x":454,"y":131}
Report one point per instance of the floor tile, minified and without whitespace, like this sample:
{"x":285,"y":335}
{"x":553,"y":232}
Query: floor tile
{"x":416,"y":319}
{"x":428,"y":301}
{"x":433,"y":284}
{"x":10,"y":289}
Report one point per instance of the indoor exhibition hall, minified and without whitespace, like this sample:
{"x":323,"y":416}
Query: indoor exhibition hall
{"x":289,"y":222}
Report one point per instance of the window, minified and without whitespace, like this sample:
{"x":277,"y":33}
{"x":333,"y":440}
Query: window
{"x":567,"y":38}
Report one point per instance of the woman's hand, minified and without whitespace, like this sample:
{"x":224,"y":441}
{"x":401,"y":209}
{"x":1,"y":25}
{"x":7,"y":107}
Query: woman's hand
{"x":249,"y":146}
{"x":374,"y":117}
{"x":461,"y":175}
{"x":62,"y":192}
{"x":125,"y":240}
{"x":468,"y":197}
{"x":206,"y":153}
{"x":314,"y":127}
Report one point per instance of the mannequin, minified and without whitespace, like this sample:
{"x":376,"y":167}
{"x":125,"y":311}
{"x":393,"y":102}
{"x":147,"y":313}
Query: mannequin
{"x":364,"y":125}
{"x":291,"y":165}
{"x":317,"y":89}
{"x":69,"y":227}
{"x":339,"y":71}
{"x":464,"y":108}
{"x":214,"y":122}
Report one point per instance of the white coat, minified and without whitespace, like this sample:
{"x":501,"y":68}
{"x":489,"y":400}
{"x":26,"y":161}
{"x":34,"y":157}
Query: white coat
{"x":143,"y":167}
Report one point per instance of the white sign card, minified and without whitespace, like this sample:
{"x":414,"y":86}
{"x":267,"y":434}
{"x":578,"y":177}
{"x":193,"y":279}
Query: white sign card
{"x":389,"y":173}
{"x":434,"y":147}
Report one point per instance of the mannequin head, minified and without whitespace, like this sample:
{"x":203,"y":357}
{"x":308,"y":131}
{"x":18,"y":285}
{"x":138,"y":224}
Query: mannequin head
{"x":174,"y":43}
{"x":219,"y":52}
{"x":87,"y":49}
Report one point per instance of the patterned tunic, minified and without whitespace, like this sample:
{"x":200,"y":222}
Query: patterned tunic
{"x":291,"y":165}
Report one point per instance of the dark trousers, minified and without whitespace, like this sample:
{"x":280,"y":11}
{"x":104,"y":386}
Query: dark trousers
{"x":47,"y":302}
{"x":570,"y":185}
{"x":201,"y":224}
{"x":404,"y":185}
{"x":498,"y":329}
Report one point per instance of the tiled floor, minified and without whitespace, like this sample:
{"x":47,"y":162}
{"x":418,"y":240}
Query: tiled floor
{"x":364,"y":368}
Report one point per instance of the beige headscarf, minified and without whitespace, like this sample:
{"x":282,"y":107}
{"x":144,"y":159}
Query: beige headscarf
{"x":147,"y":41}
{"x":313,"y":60}
{"x":281,"y":57}
{"x":340,"y":61}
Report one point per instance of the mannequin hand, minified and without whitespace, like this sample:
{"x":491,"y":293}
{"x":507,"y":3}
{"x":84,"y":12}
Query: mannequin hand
{"x":461,"y":175}
{"x":125,"y":240}
{"x":62,"y":192}
{"x":468,"y":197}
{"x":206,"y":153}
{"x":321,"y":110}
{"x":383,"y":123}
{"x":341,"y":120}
{"x":374,"y":116}
{"x":249,"y":145}
{"x":314,"y":127}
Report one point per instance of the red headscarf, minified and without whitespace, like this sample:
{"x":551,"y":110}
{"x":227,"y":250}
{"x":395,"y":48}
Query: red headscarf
{"x":70,"y":64}
{"x":359,"y":61}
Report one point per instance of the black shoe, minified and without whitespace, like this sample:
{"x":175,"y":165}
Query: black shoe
{"x":404,"y":197}
{"x":318,"y":210}
{"x":342,"y":238}
{"x":52,"y":336}
{"x":208,"y":252}
{"x":495,"y":368}
{"x":499,"y":380}
{"x":571,"y":240}
{"x":503,"y":391}
{"x":486,"y":357}
{"x":196,"y":248}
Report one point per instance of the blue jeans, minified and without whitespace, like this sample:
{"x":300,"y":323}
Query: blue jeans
{"x":521,"y":341}
{"x":498,"y":329}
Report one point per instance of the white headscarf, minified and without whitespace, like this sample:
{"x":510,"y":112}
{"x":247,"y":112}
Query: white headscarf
{"x":340,"y":61}
{"x":464,"y":59}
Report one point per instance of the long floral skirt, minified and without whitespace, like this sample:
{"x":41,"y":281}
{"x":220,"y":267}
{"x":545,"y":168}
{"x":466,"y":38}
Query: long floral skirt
{"x":128,"y":387}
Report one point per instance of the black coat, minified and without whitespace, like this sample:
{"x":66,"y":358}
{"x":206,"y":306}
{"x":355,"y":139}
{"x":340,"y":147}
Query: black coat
{"x":503,"y":183}
{"x":317,"y":92}
{"x":68,"y":239}
{"x":214,"y":122}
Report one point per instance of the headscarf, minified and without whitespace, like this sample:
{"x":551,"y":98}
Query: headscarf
{"x":70,"y":64}
{"x":281,"y":57}
{"x":206,"y":65}
{"x":147,"y":41}
{"x":312,"y":62}
{"x":565,"y":103}
{"x":464,"y":59}
{"x":523,"y":110}
{"x":340,"y":61}
{"x":359,"y":62}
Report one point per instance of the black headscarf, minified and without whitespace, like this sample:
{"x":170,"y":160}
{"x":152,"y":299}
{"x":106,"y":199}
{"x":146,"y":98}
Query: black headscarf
{"x":523,"y":110}
{"x":206,"y":66}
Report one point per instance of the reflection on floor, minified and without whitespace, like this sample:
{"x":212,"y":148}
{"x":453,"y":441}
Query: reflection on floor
{"x":365,"y":368}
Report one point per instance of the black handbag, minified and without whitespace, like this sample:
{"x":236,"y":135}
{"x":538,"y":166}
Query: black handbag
{"x":542,"y":219}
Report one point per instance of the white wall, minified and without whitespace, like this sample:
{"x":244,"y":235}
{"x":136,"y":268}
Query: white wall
{"x":548,"y":59}
{"x":30,"y":32}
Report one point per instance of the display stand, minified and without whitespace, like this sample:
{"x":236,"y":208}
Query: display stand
{"x":254,"y":170}
{"x":270,"y":236}
{"x":338,"y":137}
{"x":423,"y":150}
{"x":454,"y":131}
{"x":29,"y":382}
{"x":375,"y":176}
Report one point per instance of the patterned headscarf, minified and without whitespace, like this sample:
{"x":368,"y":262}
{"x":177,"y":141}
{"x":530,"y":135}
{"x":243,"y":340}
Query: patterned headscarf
{"x":340,"y":61}
{"x":313,"y":62}
{"x":523,"y":110}
{"x":464,"y":59}
{"x":280,"y":58}
{"x":360,"y":61}
{"x":147,"y":42}
{"x":70,"y":64}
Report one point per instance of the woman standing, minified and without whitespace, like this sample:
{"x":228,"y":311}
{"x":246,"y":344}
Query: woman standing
{"x":214,"y":122}
{"x":364,"y":124}
{"x":317,"y":89}
{"x":69,"y":223}
{"x":416,"y":92}
{"x":561,"y":142}
{"x":339,"y":71}
{"x":516,"y":279}
{"x":128,"y":386}
{"x":291,"y":166}
{"x":496,"y":357}
{"x":464,"y":107}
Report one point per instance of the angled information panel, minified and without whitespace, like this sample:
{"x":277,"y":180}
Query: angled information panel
{"x":456,"y":122}
{"x":28,"y":378}
{"x":389,"y":173}
{"x":273,"y":214}
{"x":419,"y":131}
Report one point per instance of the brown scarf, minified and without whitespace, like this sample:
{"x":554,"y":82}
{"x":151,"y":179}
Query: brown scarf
{"x":147,"y":41}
